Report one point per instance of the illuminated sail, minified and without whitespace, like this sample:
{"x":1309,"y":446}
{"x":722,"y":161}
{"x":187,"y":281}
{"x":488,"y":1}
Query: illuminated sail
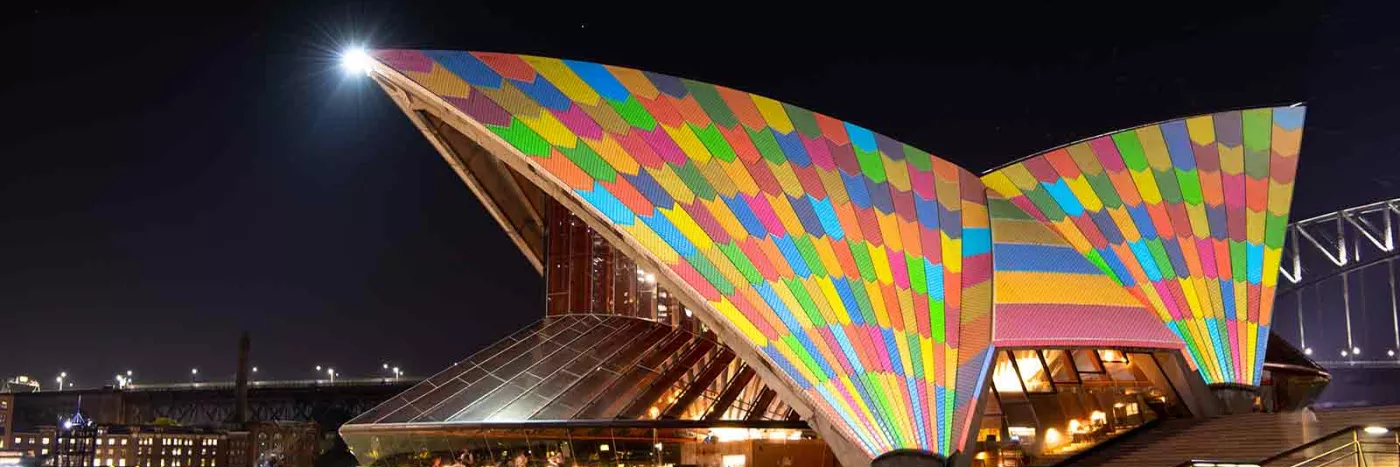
{"x":1187,"y":214}
{"x":856,"y":265}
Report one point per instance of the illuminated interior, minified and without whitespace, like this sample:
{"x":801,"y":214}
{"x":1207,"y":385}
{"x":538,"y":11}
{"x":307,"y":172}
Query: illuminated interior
{"x":1049,"y":404}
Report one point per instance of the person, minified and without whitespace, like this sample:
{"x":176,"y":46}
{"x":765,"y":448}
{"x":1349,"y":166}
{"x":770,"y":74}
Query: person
{"x":1308,"y":420}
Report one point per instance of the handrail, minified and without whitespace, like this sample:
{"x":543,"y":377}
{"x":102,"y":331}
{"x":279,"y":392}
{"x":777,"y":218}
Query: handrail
{"x":1224,"y":463}
{"x":1344,"y":431}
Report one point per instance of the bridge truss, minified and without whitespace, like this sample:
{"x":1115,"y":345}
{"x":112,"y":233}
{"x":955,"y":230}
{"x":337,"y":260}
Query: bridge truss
{"x":1337,"y":295}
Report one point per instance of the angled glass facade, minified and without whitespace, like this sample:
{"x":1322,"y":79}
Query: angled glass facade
{"x":588,"y":367}
{"x":587,"y":389}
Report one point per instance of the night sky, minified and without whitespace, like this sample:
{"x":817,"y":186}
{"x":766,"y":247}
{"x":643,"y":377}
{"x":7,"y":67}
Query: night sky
{"x":173,"y":176}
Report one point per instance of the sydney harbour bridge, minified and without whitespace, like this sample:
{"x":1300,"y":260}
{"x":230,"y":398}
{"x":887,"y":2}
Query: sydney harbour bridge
{"x":1337,"y":299}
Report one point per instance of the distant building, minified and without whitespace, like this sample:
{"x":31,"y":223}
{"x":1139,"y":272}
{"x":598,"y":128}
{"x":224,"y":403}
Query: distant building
{"x":284,"y":444}
{"x":32,"y":444}
{"x":136,"y":446}
{"x":278,"y":443}
{"x":20,"y":384}
{"x":7,"y":416}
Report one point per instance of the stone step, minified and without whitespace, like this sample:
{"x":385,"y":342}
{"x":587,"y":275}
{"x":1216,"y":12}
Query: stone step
{"x":1242,"y":437}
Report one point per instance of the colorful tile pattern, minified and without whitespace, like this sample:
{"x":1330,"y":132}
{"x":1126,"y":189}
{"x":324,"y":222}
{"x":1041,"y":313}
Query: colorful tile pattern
{"x":1048,"y":294}
{"x":1188,"y":215}
{"x":857,"y":264}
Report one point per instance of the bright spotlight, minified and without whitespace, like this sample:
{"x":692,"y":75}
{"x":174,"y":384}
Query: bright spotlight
{"x":356,"y":60}
{"x":1376,"y":430}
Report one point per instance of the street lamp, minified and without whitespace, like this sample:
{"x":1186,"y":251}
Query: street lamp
{"x":331,"y":372}
{"x":194,"y":373}
{"x":397,"y":373}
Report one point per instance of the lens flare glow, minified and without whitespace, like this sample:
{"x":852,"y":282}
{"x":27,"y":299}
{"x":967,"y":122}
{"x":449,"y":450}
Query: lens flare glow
{"x":356,"y":60}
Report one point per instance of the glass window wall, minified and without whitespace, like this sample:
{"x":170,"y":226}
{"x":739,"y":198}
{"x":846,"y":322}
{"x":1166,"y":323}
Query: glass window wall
{"x":1046,"y":405}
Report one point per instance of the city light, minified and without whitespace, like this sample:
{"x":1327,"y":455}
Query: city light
{"x":1307,"y":351}
{"x":356,"y":60}
{"x":1390,"y":353}
{"x":255,"y":369}
{"x":386,"y":366}
{"x":1356,"y":350}
{"x":318,"y":368}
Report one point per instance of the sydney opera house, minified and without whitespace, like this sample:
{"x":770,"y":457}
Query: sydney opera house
{"x":737,"y":281}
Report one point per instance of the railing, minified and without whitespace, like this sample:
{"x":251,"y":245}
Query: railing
{"x":1353,"y":446}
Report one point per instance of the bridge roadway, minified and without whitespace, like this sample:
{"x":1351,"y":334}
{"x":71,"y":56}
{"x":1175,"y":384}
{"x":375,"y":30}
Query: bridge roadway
{"x":210,"y":403}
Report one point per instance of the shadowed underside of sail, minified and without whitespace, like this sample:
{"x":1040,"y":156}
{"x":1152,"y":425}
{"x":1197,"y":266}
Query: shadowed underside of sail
{"x":1049,"y":295}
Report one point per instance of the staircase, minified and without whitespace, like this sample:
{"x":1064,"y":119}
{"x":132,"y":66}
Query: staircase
{"x":1250,"y":436}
